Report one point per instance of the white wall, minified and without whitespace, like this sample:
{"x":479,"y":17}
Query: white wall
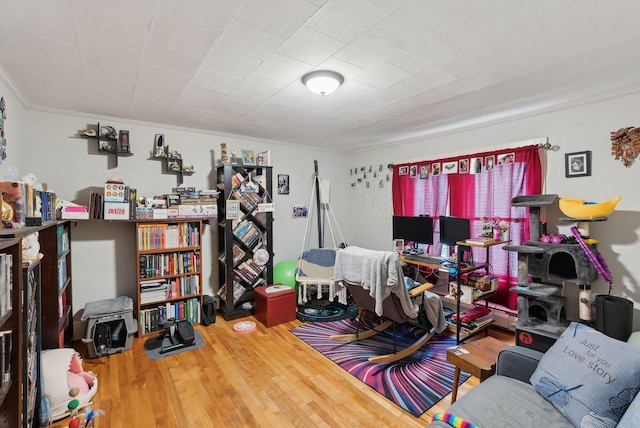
{"x":16,"y":132}
{"x":104,"y":264}
{"x":576,"y":129}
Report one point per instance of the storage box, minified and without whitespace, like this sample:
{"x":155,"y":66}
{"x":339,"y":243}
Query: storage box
{"x":114,"y":192}
{"x":274,"y":308}
{"x":116,"y":211}
{"x":110,"y":326}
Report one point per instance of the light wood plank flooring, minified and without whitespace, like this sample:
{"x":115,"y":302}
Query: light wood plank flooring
{"x":266,"y":378}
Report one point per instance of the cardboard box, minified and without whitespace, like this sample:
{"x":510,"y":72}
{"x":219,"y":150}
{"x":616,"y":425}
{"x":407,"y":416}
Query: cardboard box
{"x":74,"y":213}
{"x":197,"y":210}
{"x":144,"y":213}
{"x":116,"y":211}
{"x":114,"y":192}
{"x":160,"y":213}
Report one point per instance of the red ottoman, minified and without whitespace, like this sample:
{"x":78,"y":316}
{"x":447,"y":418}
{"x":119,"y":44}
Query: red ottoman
{"x":274,"y":308}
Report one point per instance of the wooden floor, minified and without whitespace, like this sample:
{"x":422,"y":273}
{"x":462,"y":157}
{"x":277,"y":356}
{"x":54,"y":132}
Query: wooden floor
{"x":266,"y":378}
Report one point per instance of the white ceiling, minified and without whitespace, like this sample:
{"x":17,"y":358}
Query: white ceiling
{"x":412,"y":67}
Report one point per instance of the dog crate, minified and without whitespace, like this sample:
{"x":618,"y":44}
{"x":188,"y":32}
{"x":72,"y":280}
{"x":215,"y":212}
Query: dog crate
{"x":110,"y":326}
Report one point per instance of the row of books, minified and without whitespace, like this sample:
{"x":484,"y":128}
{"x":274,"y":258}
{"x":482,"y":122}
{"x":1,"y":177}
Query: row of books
{"x":248,"y":200}
{"x":238,"y":255}
{"x":238,"y":291}
{"x":150,"y":319}
{"x":247,"y":232}
{"x":6,"y":283}
{"x":6,"y":338}
{"x":62,"y":273}
{"x":158,"y":290}
{"x":156,"y":236}
{"x":25,"y":201}
{"x":248,"y":271}
{"x":155,"y":265}
{"x":63,"y":239}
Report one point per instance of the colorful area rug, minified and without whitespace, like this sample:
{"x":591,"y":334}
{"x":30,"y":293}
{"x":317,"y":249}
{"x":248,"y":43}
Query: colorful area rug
{"x":414,"y":383}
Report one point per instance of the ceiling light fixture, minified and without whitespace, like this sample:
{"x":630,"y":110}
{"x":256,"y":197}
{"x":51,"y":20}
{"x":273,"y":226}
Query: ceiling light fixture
{"x":322,"y":82}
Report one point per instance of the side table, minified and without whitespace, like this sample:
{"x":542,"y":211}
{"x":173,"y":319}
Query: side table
{"x":478,"y":358}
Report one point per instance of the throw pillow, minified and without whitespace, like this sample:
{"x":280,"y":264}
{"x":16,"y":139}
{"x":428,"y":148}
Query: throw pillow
{"x":589,"y":377}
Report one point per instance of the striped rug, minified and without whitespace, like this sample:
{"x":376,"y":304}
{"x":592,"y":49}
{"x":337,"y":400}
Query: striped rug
{"x":414,"y":383}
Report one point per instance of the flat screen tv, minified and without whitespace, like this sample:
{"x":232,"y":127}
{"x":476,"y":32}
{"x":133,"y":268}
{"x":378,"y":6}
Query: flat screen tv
{"x":418,"y":230}
{"x":454,"y":229}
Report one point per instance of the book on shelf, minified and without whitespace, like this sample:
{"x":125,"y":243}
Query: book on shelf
{"x":5,"y":358}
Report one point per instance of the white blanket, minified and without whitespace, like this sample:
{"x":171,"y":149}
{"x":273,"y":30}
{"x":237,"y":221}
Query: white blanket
{"x":380,"y":272}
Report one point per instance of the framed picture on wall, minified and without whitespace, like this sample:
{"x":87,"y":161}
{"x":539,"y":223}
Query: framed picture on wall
{"x":577,"y":164}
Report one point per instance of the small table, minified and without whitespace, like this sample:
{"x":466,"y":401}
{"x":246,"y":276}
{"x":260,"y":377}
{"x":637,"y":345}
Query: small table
{"x":479,"y":360}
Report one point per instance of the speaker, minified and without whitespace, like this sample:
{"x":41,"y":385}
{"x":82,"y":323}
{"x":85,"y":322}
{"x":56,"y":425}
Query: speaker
{"x":208,"y":310}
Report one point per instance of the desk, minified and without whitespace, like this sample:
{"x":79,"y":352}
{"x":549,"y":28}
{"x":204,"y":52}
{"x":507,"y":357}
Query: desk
{"x":480,"y":361}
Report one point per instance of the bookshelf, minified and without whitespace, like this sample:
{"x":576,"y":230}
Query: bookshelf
{"x":11,"y":327}
{"x":32,"y":346}
{"x":56,"y":292}
{"x":169,"y":277}
{"x":245,"y":243}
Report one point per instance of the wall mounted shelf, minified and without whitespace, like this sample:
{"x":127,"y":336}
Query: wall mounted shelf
{"x":173,"y":165}
{"x":109,"y":145}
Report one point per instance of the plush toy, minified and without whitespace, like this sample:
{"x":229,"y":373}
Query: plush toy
{"x":64,"y":381}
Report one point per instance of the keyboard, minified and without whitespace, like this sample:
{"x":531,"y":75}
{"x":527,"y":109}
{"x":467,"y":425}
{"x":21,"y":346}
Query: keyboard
{"x":423,"y":258}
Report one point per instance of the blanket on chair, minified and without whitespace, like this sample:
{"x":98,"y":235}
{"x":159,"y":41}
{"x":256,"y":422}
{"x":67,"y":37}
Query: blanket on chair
{"x":379,"y":272}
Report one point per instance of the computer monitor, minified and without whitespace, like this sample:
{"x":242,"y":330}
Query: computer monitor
{"x":418,"y":230}
{"x":454,"y":229}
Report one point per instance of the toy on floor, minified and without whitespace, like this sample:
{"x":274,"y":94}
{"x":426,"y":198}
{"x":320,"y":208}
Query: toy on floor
{"x":85,"y":420}
{"x":63,"y":377}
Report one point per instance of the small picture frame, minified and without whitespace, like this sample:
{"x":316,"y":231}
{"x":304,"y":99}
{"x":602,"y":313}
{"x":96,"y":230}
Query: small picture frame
{"x":300,"y":211}
{"x":403,"y":170}
{"x":435,"y":169}
{"x":283,"y":184}
{"x":577,"y":164}
{"x":424,"y":171}
{"x":413,"y":171}
{"x":488,"y":162}
{"x":248,"y":157}
{"x":233,"y":209}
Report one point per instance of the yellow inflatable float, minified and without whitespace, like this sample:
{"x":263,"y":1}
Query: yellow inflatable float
{"x":577,"y":208}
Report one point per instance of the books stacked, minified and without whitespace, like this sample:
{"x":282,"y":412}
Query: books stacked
{"x":238,"y":291}
{"x":248,"y":271}
{"x":481,"y":240}
{"x":153,"y":291}
{"x":247,"y":232}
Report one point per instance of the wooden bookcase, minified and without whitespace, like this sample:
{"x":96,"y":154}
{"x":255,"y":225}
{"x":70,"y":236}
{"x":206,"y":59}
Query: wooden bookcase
{"x":32,"y":346}
{"x":56,"y":293}
{"x":240,"y":237}
{"x":169,"y":274}
{"x":11,"y":324}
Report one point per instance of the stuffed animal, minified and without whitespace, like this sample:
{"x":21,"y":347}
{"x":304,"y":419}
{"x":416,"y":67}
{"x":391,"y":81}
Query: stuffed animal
{"x":62,"y":373}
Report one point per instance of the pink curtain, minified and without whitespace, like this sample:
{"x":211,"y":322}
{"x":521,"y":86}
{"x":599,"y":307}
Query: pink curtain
{"x":474,"y":192}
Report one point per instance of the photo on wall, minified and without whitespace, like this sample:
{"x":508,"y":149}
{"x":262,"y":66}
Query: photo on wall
{"x":424,"y":171}
{"x":449,"y":167}
{"x":300,"y":211}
